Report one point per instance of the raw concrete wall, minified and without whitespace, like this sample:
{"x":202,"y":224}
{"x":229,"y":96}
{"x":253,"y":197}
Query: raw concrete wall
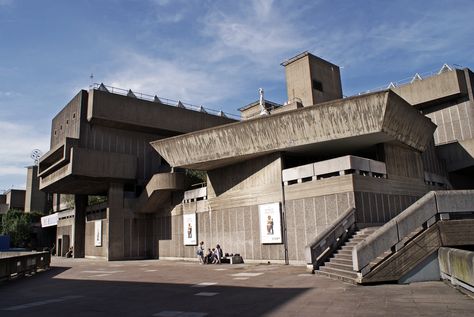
{"x":235,"y":229}
{"x":15,"y":199}
{"x":403,"y":161}
{"x":35,"y":200}
{"x":67,"y":122}
{"x":447,"y":85}
{"x":129,"y":234}
{"x":137,"y":144}
{"x":455,"y":121}
{"x":90,"y":249}
{"x":307,"y":217}
{"x":137,"y":114}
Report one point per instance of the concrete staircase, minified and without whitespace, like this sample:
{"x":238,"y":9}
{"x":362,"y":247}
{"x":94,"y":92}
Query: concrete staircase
{"x":339,"y":265}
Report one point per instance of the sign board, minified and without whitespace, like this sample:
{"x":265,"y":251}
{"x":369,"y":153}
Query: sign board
{"x":98,"y":233}
{"x":189,"y":229}
{"x":269,"y":216}
{"x":49,"y":221}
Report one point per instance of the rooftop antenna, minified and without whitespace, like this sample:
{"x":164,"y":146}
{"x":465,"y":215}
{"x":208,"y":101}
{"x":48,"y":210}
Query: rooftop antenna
{"x":91,"y":77}
{"x":263,"y":110}
{"x":35,"y":155}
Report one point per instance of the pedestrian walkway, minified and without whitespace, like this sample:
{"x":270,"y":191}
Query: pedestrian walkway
{"x":172,"y":288}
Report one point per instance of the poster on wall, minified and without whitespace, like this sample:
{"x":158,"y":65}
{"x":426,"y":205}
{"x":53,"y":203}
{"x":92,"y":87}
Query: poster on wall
{"x":98,"y":233}
{"x":189,"y":229}
{"x":270,"y":223}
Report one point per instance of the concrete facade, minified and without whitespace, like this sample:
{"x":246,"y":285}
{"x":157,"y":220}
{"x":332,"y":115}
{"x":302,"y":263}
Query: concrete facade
{"x":100,"y":146}
{"x":311,"y":159}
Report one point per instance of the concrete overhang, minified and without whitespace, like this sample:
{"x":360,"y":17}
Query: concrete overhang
{"x":439,"y":88}
{"x":88,"y":171}
{"x":351,"y":123}
{"x":158,"y":191}
{"x":124,"y":112}
{"x":457,"y":155}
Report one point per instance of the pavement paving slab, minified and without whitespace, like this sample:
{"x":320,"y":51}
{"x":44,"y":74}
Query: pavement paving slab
{"x":89,"y":287}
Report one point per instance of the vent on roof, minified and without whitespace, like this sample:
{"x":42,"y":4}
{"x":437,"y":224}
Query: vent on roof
{"x":180,"y":105}
{"x":156,"y":99}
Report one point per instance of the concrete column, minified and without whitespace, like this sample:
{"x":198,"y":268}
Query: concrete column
{"x":80,"y":204}
{"x":115,"y":217}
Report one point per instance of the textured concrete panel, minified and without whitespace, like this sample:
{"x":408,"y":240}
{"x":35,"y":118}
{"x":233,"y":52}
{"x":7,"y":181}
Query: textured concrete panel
{"x":375,"y":118}
{"x":455,"y":201}
{"x":374,"y":245}
{"x":416,"y":214}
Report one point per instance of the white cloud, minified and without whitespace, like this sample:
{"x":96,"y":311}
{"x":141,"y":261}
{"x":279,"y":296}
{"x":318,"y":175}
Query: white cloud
{"x":255,"y":32}
{"x":17,"y":142}
{"x":171,"y":79}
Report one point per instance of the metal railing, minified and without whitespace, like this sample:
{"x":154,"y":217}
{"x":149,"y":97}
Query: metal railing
{"x":166,"y":101}
{"x":325,"y":243}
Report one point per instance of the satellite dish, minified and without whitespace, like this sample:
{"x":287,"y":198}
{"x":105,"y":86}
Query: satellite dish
{"x":35,"y":155}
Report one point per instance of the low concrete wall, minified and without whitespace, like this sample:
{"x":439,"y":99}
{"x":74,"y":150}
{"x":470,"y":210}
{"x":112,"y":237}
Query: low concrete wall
{"x":457,"y":266}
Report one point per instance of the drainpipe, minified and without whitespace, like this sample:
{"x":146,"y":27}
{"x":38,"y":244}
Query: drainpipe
{"x":283,"y":213}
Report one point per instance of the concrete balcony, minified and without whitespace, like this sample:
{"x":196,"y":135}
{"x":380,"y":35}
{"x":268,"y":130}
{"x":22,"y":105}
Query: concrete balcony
{"x":348,"y":164}
{"x":349,"y":124}
{"x":443,"y":87}
{"x":75,"y":170}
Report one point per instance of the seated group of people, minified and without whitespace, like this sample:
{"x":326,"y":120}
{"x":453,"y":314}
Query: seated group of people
{"x":211,"y":256}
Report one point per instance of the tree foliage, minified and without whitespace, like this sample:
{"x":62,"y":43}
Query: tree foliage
{"x":17,"y":225}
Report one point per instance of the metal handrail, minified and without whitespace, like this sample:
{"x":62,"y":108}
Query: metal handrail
{"x":324,"y":244}
{"x":166,"y":101}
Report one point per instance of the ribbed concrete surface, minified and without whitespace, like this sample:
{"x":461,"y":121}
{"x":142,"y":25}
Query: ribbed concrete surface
{"x":350,"y":123}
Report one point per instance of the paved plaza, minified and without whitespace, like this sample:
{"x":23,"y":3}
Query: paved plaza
{"x":84,"y":287}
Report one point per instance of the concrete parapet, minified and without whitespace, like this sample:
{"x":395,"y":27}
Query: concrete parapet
{"x":415,"y":215}
{"x":457,"y":266}
{"x":342,"y":165}
{"x":455,"y":201}
{"x":419,"y":214}
{"x":195,"y":194}
{"x":299,"y":172}
{"x":377,"y":243}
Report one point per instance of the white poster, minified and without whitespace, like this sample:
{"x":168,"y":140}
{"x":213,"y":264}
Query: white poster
{"x":189,"y":229}
{"x":270,"y":223}
{"x":98,"y":233}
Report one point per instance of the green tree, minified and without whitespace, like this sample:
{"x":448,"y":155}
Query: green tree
{"x":17,"y":225}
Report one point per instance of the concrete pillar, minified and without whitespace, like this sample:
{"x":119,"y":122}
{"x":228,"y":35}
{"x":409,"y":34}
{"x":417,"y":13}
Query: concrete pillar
{"x":80,"y":204}
{"x":115,"y":216}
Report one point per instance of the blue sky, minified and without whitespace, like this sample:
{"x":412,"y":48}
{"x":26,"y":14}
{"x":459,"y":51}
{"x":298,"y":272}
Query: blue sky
{"x":210,"y":53}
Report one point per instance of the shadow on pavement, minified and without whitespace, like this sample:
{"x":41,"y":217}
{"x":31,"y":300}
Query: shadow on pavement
{"x":44,"y":295}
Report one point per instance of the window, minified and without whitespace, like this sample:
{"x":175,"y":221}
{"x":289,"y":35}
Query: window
{"x":317,"y":85}
{"x":74,"y":115}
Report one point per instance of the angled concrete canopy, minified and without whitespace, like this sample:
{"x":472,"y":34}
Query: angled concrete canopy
{"x":349,"y":123}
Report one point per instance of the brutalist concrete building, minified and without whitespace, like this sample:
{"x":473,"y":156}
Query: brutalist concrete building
{"x":288,"y":183}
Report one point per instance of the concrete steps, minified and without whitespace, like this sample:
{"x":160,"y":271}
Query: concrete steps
{"x":340,"y":265}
